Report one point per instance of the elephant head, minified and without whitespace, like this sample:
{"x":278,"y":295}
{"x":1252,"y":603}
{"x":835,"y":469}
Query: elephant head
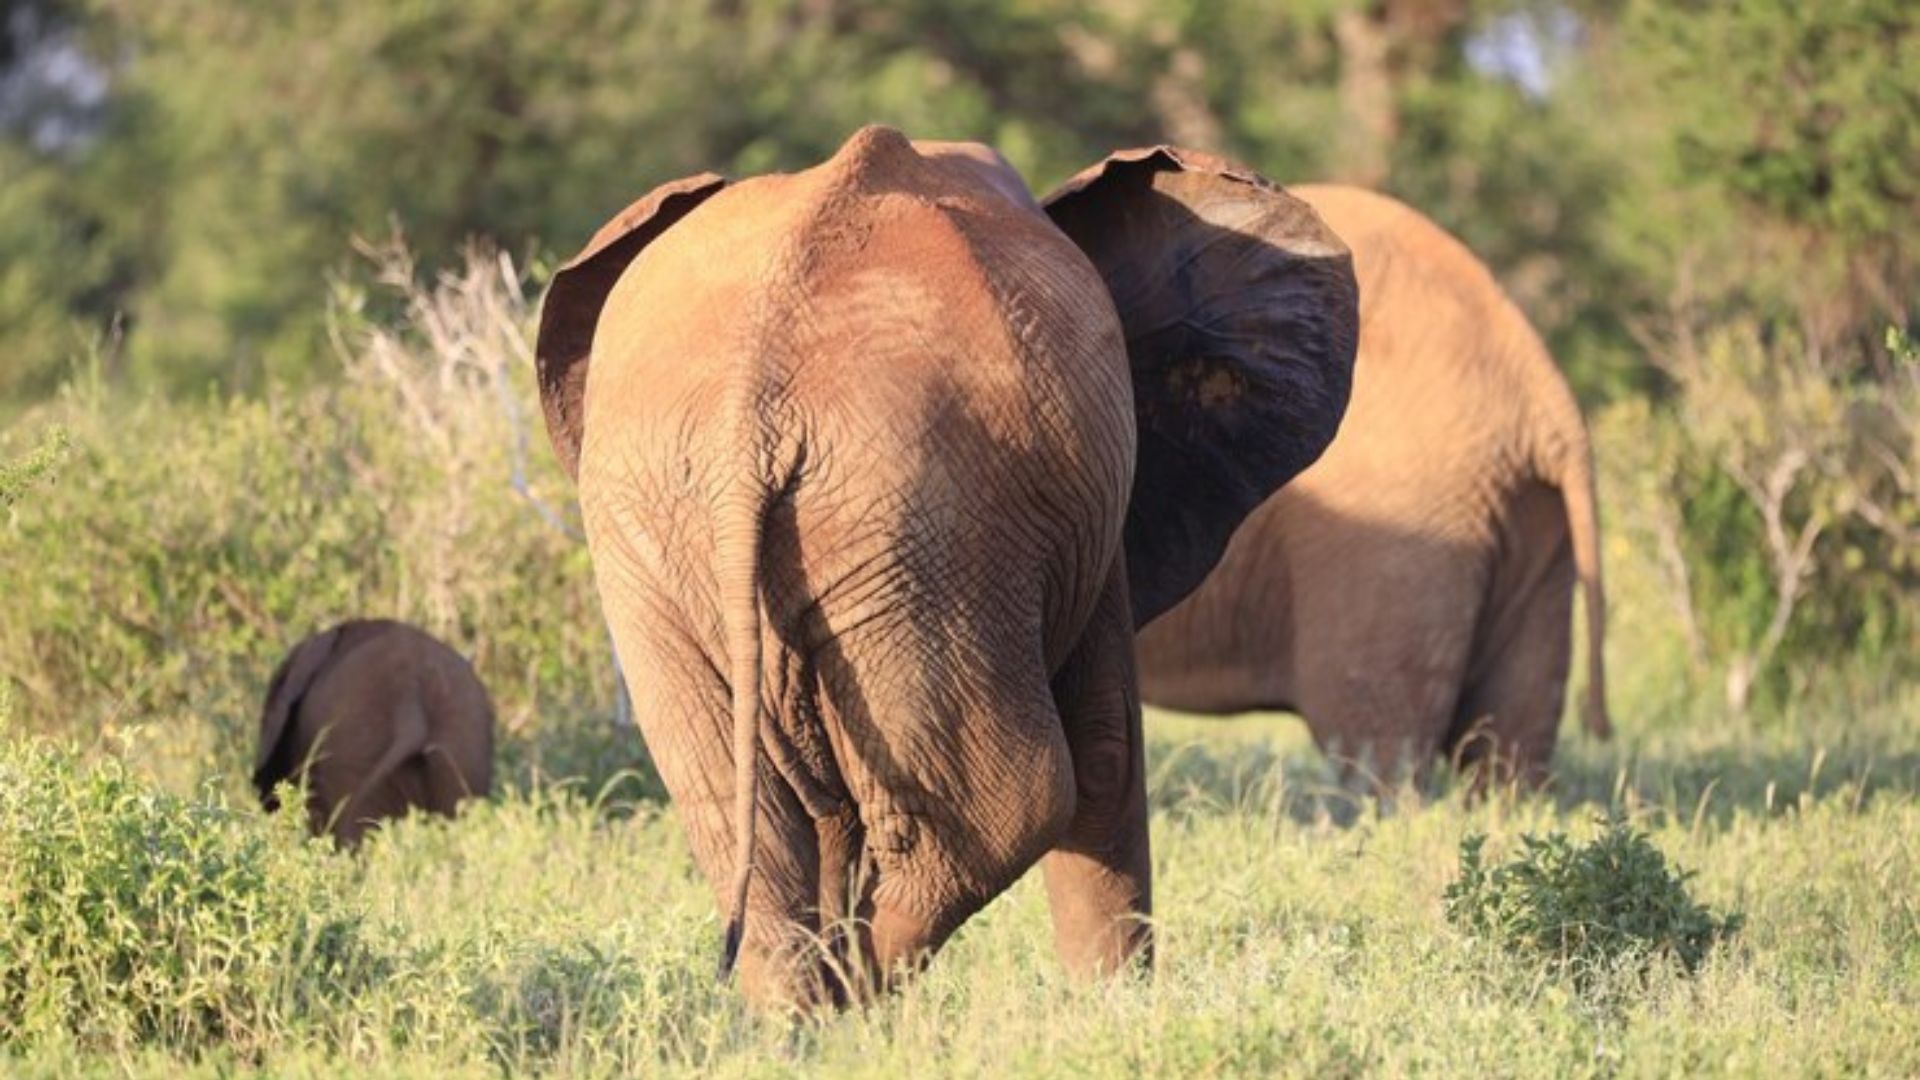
{"x":893,"y":443}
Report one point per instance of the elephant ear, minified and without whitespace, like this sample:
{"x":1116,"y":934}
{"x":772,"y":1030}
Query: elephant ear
{"x":580,"y":290}
{"x":291,"y":681}
{"x":1241,"y":317}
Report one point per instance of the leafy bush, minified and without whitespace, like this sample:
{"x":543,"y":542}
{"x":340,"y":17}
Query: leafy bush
{"x":38,"y":464}
{"x":153,"y":590}
{"x":1777,"y":489}
{"x":1584,"y":909}
{"x":130,"y":916}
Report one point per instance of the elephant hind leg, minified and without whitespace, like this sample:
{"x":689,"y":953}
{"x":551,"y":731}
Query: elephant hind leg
{"x":1100,"y":876}
{"x":683,"y":706}
{"x":1380,"y":657}
{"x":1509,"y":713}
{"x":388,"y":786}
{"x":446,"y":780}
{"x":786,"y":958}
{"x":962,"y":780}
{"x":843,"y":872}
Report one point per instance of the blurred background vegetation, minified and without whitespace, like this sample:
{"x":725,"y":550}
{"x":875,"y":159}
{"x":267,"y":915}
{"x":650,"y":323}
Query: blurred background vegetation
{"x":277,"y":416}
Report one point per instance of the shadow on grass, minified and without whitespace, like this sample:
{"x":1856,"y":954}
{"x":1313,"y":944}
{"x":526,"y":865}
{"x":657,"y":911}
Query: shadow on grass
{"x":1195,"y":776}
{"x":1708,"y":771}
{"x":1764,"y":775}
{"x":580,"y":748}
{"x":1267,"y":764}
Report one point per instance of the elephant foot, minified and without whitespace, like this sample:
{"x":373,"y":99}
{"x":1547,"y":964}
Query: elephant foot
{"x":902,"y":943}
{"x":1100,"y":916}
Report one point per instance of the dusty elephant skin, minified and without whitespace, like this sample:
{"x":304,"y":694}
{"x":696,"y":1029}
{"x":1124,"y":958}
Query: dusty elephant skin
{"x":879,"y":468}
{"x":382,"y":718}
{"x":1411,"y":594}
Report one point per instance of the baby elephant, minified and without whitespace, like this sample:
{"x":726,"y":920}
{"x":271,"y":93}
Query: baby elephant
{"x":380,"y":717}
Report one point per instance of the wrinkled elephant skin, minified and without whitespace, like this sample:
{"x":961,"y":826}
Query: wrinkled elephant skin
{"x":880,"y":465}
{"x":380,"y":718}
{"x":1410,"y":595}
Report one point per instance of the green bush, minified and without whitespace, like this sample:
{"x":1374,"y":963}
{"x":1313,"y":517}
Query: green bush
{"x":130,"y":916}
{"x":20,"y":474}
{"x":190,"y":544}
{"x":1584,"y":910}
{"x":1775,"y":490}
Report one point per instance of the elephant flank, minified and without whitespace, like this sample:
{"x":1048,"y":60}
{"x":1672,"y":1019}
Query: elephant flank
{"x":737,"y":546}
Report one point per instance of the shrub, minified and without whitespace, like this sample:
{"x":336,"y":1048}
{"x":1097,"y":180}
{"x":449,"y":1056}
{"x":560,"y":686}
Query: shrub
{"x":1777,"y":486}
{"x":129,"y":916}
{"x":36,"y":465}
{"x":190,"y":544}
{"x":1584,"y":909}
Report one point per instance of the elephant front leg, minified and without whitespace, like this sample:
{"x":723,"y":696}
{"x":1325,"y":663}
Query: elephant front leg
{"x":1100,"y":875}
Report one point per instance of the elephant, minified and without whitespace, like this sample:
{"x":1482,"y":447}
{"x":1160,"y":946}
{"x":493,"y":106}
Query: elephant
{"x":380,"y":718}
{"x":1410,"y":595}
{"x":880,"y":465}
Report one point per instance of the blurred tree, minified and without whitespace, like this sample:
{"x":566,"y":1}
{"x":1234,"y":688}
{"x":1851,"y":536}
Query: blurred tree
{"x":55,"y":274}
{"x":245,"y":143}
{"x":237,"y":146}
{"x":1766,"y":217}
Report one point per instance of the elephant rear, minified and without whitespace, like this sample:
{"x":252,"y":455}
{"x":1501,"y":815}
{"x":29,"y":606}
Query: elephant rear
{"x":859,"y":451}
{"x":1410,"y":594}
{"x":860,"y":414}
{"x":379,"y":718}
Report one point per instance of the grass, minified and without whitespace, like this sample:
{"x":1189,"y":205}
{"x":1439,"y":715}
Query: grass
{"x":152,"y":923}
{"x":553,"y":933}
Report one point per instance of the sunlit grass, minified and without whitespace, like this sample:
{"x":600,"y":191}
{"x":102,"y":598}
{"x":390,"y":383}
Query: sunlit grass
{"x":152,"y":922}
{"x":553,"y":932}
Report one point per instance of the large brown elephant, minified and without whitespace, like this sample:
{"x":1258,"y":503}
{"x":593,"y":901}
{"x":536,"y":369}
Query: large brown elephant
{"x":381,"y":718}
{"x":1411,"y":593}
{"x":877,"y":483}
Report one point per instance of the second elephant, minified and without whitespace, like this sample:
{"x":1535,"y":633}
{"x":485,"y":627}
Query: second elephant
{"x":379,"y":718}
{"x":1411,"y":594}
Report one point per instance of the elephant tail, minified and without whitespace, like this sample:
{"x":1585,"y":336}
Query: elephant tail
{"x":409,"y":731}
{"x":1562,"y":455}
{"x":1583,"y":522}
{"x":737,"y":543}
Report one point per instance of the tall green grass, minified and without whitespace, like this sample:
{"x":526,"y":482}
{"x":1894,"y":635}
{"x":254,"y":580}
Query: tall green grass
{"x":152,"y":922}
{"x":554,"y":933}
{"x":131,"y":916}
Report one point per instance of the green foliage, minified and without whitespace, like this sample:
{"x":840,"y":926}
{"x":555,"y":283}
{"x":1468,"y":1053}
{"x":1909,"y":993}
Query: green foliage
{"x":36,"y":466}
{"x":154,"y":589}
{"x":1584,"y":909}
{"x":1902,"y":347}
{"x":242,"y":147}
{"x":246,"y":145}
{"x":1825,"y":118}
{"x":543,"y":935}
{"x":1778,"y":484}
{"x":132,"y":916}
